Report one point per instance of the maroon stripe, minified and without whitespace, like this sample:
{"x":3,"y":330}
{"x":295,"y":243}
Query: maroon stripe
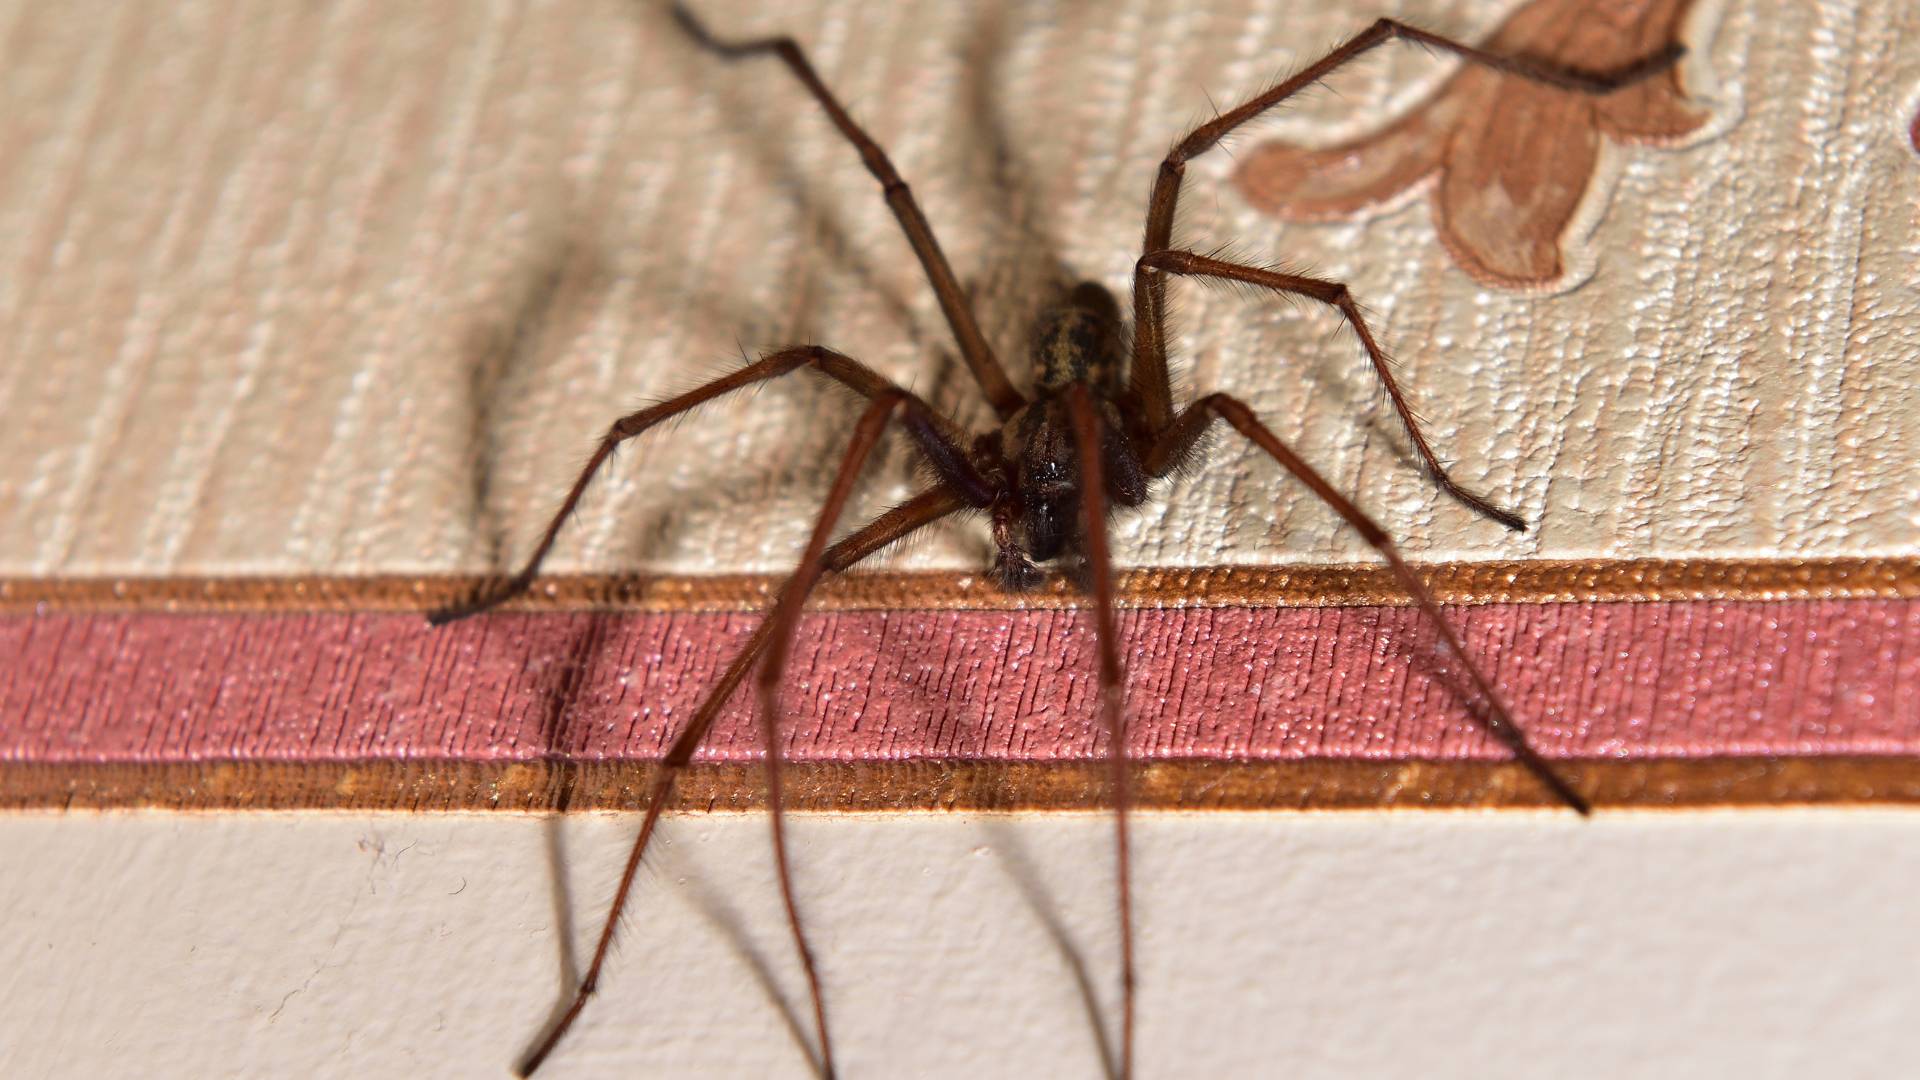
{"x":1589,"y":680}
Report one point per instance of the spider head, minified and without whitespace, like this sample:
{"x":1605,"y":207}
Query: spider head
{"x":1078,"y":340}
{"x":1043,"y":519}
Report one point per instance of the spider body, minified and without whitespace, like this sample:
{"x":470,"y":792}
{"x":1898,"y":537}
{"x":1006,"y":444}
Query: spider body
{"x":1099,"y":424}
{"x":1078,"y":342}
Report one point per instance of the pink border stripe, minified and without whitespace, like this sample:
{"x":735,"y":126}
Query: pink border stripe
{"x":1603,"y":680}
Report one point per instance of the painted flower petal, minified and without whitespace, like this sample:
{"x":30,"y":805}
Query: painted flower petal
{"x":1514,"y":158}
{"x":1512,"y":178}
{"x":1298,"y":183}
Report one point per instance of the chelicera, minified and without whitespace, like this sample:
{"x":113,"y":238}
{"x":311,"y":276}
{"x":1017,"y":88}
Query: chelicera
{"x":1097,"y":428}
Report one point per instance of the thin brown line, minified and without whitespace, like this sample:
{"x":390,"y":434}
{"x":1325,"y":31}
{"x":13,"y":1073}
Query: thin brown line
{"x":1530,"y":581}
{"x":966,"y":785}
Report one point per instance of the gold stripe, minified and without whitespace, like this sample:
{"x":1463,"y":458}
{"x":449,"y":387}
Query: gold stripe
{"x":1530,"y":581}
{"x":965,"y":785}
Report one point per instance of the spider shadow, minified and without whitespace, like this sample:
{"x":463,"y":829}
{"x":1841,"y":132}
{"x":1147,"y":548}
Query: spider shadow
{"x":1025,"y":272}
{"x":563,"y":689}
{"x":503,"y":354}
{"x":1341,"y":369}
{"x":1024,"y":874}
{"x":1404,"y":634}
{"x":722,"y":916}
{"x":1421,"y":644}
{"x":718,"y":496}
{"x":547,"y":301}
{"x":732,"y":926}
{"x":1006,"y":290}
{"x":1009,"y":293}
{"x":762,"y":130}
{"x":552,"y":294}
{"x":828,"y":256}
{"x":1028,"y":273}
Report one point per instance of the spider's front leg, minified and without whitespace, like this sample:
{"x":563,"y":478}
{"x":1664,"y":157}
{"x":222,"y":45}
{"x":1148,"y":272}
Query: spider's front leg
{"x":907,"y":518}
{"x":1087,"y":442}
{"x":938,"y":438}
{"x":961,"y":484}
{"x":785,"y":616}
{"x":974,"y":348}
{"x":1334,"y":294}
{"x":1186,"y":430}
{"x":1151,"y":384}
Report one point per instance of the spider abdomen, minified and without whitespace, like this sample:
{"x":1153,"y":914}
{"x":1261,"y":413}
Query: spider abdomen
{"x":1079,"y":341}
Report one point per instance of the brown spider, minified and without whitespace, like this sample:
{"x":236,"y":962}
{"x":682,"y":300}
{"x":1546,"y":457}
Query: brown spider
{"x":1097,"y":429}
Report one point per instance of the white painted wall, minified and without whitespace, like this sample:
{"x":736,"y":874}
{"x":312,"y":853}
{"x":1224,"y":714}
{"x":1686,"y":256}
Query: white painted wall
{"x":372,"y":945}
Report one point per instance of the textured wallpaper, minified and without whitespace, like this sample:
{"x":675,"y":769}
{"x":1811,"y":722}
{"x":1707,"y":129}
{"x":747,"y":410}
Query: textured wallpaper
{"x":307,"y":309}
{"x":353,"y":288}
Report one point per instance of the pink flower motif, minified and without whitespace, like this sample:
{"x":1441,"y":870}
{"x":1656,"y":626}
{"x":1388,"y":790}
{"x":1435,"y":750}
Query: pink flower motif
{"x":1509,"y":160}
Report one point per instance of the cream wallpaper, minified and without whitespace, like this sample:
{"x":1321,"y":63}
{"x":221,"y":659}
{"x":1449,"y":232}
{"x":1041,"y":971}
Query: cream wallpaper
{"x":353,"y":287}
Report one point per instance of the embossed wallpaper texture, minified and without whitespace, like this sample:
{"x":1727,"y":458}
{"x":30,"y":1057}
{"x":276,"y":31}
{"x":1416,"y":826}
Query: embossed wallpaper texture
{"x":304,"y":307}
{"x":352,"y":288}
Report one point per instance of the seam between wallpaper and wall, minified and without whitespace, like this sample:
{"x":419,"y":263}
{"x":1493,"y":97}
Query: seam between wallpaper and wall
{"x":1534,"y":581}
{"x":960,"y":786}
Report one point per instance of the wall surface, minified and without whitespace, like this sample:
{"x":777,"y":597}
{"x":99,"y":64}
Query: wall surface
{"x":352,"y":289}
{"x":1756,"y":944}
{"x":344,"y":294}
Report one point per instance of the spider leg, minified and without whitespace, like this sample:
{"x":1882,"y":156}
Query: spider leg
{"x":1093,"y":509}
{"x":785,"y":616}
{"x":1334,"y":294}
{"x":979,"y":355}
{"x":1150,"y":382}
{"x":1179,"y":438}
{"x":937,"y":437}
{"x":906,"y":518}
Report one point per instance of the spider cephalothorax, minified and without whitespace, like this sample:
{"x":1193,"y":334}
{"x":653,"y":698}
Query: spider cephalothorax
{"x":1036,"y":518}
{"x":1100,"y":425}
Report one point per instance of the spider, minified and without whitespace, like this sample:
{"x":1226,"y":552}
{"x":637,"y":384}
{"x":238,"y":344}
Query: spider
{"x":1096,"y":429}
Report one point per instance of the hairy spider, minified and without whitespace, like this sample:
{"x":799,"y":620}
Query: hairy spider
{"x":1098,"y":426}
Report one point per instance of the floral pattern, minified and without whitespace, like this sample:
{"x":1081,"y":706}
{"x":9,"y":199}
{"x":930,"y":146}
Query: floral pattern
{"x":1508,"y":161}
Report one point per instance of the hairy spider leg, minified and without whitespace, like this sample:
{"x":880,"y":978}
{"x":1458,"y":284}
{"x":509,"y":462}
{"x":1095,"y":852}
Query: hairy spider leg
{"x":1180,"y":437}
{"x":785,"y":616}
{"x":979,"y":355}
{"x":1335,"y":294}
{"x":1093,"y":512}
{"x":908,"y":517}
{"x":963,"y":486}
{"x":1150,"y":382}
{"x":937,"y":437}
